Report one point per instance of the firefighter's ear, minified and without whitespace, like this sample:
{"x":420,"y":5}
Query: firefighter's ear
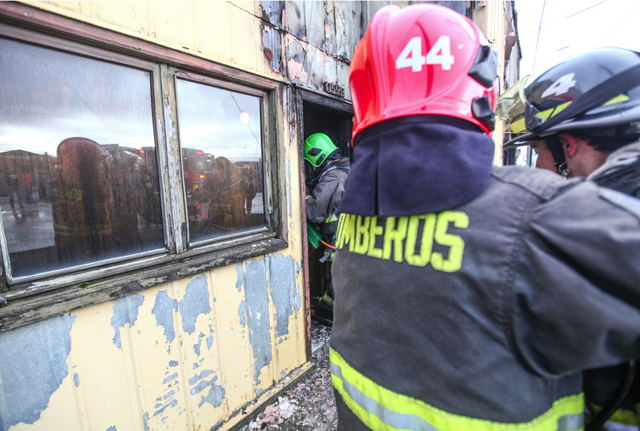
{"x":569,"y":144}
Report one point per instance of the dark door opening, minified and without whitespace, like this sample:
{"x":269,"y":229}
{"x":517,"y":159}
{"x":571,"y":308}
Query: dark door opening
{"x":321,"y":114}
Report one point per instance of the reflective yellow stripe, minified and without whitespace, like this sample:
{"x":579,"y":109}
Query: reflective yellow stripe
{"x":518,"y":126}
{"x":330,"y":219}
{"x":553,"y":111}
{"x":618,"y":99}
{"x":327,"y":298}
{"x":385,"y":410}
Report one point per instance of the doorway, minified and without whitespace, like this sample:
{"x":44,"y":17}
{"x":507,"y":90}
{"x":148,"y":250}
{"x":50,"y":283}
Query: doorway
{"x":318,"y":113}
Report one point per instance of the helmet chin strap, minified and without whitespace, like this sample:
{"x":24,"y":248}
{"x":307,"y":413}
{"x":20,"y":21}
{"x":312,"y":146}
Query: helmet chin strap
{"x":559,"y":161}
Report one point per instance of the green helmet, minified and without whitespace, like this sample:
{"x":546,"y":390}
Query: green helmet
{"x":317,"y":148}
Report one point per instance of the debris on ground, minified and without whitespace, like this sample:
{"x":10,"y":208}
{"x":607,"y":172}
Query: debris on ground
{"x":309,"y":405}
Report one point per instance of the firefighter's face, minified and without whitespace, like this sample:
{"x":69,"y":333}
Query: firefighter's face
{"x":545,"y":158}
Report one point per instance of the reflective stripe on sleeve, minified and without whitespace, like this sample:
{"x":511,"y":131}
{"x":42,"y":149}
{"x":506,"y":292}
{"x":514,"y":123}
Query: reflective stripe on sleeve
{"x":385,"y":410}
{"x":331,"y":218}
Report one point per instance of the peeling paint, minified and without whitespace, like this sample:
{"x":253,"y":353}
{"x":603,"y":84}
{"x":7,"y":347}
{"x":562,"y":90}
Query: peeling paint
{"x":151,"y":282}
{"x":196,"y":270}
{"x":33,"y":364}
{"x":216,"y":392}
{"x":170,"y":378}
{"x":112,"y":428}
{"x":145,"y":421}
{"x":170,"y":404}
{"x":169,"y":395}
{"x":194,"y":303}
{"x":209,"y":342}
{"x":197,"y":364}
{"x":214,"y":397}
{"x":173,"y":364}
{"x":76,"y":379}
{"x":163,"y":311}
{"x":254,"y":311}
{"x":296,"y":72}
{"x":196,"y":347}
{"x":282,"y":279}
{"x":125,"y":310}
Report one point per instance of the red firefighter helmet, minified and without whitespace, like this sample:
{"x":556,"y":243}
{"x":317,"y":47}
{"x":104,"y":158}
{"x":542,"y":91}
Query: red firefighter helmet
{"x":422,"y":60}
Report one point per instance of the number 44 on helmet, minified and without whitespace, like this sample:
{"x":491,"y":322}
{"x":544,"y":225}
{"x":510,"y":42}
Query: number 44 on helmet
{"x":439,"y":64}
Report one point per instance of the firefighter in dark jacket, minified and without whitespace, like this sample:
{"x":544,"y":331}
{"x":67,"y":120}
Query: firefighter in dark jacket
{"x":470,"y":297}
{"x":602,"y":145}
{"x":327,"y":172}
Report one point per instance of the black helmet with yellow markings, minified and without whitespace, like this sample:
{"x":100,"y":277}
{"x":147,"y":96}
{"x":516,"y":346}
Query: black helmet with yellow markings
{"x":596,"y":93}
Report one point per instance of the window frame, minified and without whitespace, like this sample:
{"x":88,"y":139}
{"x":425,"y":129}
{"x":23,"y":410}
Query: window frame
{"x":264,"y":132}
{"x":31,"y":298}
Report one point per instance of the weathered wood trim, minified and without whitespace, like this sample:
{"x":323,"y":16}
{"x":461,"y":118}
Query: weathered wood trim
{"x":303,"y":200}
{"x":323,"y":99}
{"x":22,"y":311}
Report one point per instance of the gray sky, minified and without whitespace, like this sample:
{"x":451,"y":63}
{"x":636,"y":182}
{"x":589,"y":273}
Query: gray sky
{"x":571,"y":27}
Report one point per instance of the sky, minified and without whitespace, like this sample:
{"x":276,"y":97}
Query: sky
{"x":553,"y":30}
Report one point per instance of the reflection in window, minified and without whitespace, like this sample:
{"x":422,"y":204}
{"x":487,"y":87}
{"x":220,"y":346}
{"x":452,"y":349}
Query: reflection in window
{"x":522,"y":155}
{"x":220,"y":135}
{"x":78,"y":175}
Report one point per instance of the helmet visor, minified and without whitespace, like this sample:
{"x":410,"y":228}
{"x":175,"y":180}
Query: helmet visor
{"x":510,"y":107}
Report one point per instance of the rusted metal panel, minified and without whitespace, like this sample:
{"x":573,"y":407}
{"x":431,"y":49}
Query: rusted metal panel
{"x":295,"y":21}
{"x":272,"y":46}
{"x":272,"y":12}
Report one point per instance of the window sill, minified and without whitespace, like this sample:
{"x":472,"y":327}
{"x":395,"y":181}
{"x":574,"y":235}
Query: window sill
{"x":34,"y":303}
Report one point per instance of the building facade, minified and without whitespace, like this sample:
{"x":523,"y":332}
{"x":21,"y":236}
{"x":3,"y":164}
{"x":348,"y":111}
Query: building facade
{"x":155,"y":269}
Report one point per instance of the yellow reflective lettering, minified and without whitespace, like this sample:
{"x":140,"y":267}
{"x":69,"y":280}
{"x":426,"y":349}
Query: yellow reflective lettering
{"x":456,"y":244}
{"x":339,"y":231}
{"x":374,"y":231}
{"x":362,"y":234}
{"x":348,"y":231}
{"x":396,"y":236}
{"x":426,"y":243}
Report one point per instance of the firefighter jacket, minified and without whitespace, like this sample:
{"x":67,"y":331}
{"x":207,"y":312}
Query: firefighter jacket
{"x":620,"y":172}
{"x":326,"y":195}
{"x":482,"y":316}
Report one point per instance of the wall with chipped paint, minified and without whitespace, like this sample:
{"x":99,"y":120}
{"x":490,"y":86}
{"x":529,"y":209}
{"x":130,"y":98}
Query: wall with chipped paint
{"x":185,"y":355}
{"x":194,"y":353}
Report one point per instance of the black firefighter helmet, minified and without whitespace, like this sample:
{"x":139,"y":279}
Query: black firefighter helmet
{"x":596,"y":93}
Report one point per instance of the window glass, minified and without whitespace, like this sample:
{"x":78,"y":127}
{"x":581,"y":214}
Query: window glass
{"x":78,"y":172}
{"x":221,"y":140}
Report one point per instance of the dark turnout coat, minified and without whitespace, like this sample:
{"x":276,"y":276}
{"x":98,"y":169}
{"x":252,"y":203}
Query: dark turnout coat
{"x":487,"y":312}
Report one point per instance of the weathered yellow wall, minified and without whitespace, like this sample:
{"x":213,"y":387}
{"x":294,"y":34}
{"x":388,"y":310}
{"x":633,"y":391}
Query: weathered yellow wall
{"x":222,"y":31}
{"x":184,"y":355}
